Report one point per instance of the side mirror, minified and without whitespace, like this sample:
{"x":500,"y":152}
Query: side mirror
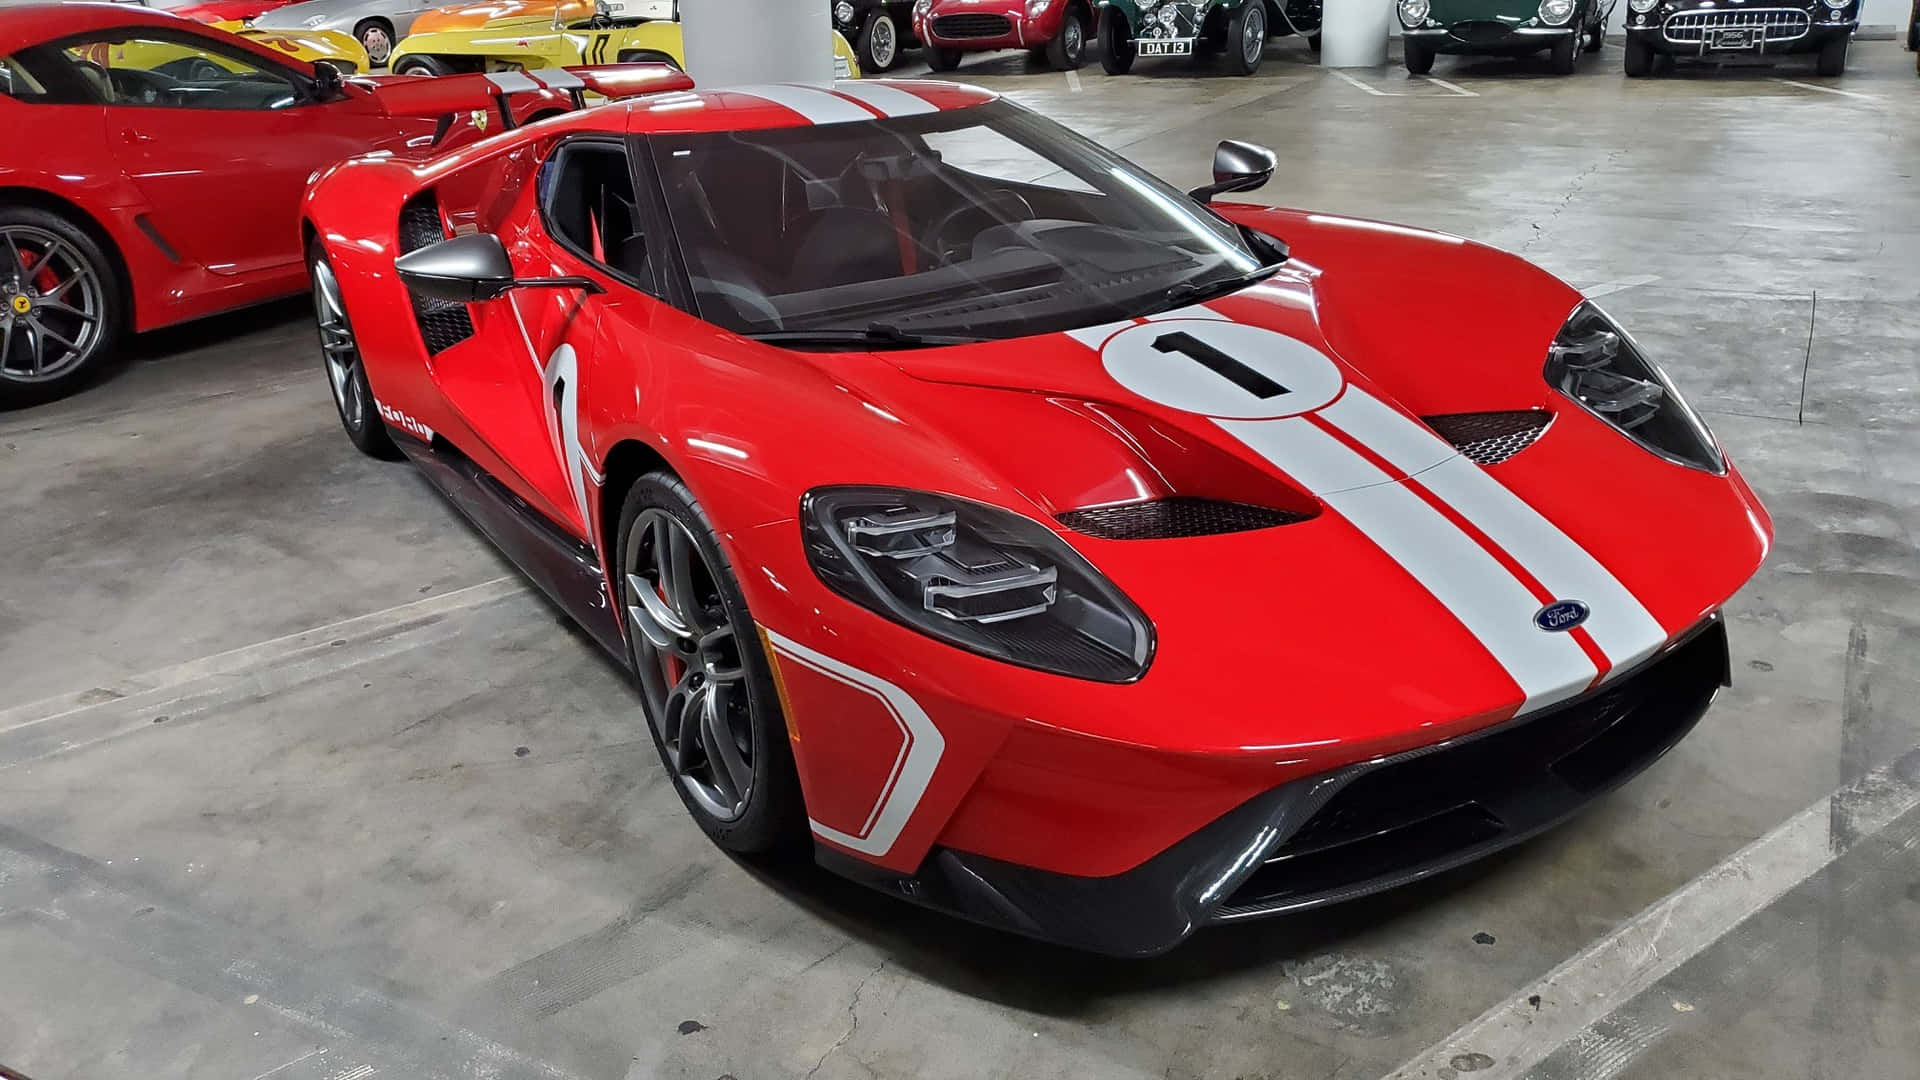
{"x":1237,"y":166}
{"x":328,"y":82}
{"x":469,"y":269}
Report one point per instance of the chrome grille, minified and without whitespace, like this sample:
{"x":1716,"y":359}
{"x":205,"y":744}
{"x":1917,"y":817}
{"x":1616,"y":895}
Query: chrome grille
{"x":957,"y":27}
{"x":1697,"y":27}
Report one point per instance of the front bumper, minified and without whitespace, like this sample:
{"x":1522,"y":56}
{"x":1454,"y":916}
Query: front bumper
{"x":1772,"y":31}
{"x":1487,"y":36}
{"x":986,"y":31}
{"x":1343,"y":834}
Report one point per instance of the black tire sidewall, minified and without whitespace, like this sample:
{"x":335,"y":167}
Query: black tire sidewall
{"x":1639,"y":59}
{"x":359,"y":34}
{"x":114,"y":294}
{"x":941,"y":59}
{"x":775,"y":811}
{"x":368,"y":431}
{"x":1116,"y":45}
{"x":864,"y":47}
{"x":1237,"y":36}
{"x":1419,"y":58}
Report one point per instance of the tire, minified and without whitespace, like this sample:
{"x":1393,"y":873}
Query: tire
{"x":1419,"y":58}
{"x":372,"y":33}
{"x":942,"y":59}
{"x":1564,"y":53}
{"x":1117,"y":51}
{"x":1639,"y":59}
{"x":1068,"y":49}
{"x":715,"y":646}
{"x":417,"y":64}
{"x":879,"y":45}
{"x":1595,"y":37}
{"x":648,"y":56}
{"x":1313,"y":42}
{"x":62,"y":320}
{"x":1832,"y":60}
{"x":1247,"y":38}
{"x":340,"y":360}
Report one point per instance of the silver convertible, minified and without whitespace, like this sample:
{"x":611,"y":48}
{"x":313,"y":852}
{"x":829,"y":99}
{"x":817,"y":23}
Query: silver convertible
{"x":377,"y":23}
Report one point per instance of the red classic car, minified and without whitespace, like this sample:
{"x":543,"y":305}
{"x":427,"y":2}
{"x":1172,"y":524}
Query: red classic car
{"x":1057,"y":31}
{"x":168,"y":163}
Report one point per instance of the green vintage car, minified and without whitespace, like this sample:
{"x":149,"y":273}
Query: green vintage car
{"x":1238,"y":28}
{"x":1502,"y":28}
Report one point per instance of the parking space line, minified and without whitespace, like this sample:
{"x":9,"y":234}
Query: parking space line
{"x":1444,"y":84}
{"x":1374,"y":90}
{"x":1073,"y":81}
{"x":1540,"y":1017}
{"x":1827,"y":89}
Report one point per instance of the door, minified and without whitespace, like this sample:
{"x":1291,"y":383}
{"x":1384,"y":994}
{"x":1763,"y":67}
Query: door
{"x":221,"y":141}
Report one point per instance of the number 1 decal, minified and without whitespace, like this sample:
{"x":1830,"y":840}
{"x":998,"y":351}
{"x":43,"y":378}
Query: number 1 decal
{"x":1219,"y":363}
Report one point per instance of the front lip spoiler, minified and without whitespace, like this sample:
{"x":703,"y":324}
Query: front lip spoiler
{"x":1199,"y":880}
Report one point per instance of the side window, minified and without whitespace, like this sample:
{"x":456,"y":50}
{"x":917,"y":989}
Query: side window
{"x":178,"y":72}
{"x":588,"y":204}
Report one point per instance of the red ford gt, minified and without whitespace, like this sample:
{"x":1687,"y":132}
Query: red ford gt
{"x":1057,"y":548}
{"x":167,"y":164}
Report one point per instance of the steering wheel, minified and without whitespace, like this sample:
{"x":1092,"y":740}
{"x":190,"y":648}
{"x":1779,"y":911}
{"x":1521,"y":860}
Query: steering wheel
{"x":952,"y":252}
{"x":193,"y":69}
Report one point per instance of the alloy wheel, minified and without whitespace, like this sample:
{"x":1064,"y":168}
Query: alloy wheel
{"x":1074,"y":37}
{"x":885,"y":42}
{"x":54,"y":305}
{"x":378,"y":45}
{"x":338,"y":350}
{"x":691,"y":668}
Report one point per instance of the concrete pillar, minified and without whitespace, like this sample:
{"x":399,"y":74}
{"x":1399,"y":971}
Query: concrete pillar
{"x":1353,"y":33}
{"x":737,"y":42}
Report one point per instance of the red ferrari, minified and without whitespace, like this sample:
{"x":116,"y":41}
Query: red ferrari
{"x":168,"y":164}
{"x":1056,"y":548}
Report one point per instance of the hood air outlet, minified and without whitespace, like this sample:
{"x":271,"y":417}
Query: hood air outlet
{"x":1178,"y":516}
{"x":1490,"y":438}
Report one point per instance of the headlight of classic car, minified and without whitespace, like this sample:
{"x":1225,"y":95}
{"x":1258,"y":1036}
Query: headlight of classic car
{"x":1037,"y":8}
{"x":313,"y":21}
{"x":1414,"y":12}
{"x":1838,"y":4}
{"x":975,"y":576}
{"x":843,"y":13}
{"x":1643,"y":6}
{"x":1596,"y":364}
{"x":1556,"y":12}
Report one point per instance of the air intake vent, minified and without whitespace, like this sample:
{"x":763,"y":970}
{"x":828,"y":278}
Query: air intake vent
{"x":443,"y":323}
{"x":1491,"y":437}
{"x":1166,"y":519}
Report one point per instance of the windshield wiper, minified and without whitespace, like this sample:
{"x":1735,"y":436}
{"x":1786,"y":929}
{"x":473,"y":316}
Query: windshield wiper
{"x":1198,"y":292}
{"x":883,"y":335}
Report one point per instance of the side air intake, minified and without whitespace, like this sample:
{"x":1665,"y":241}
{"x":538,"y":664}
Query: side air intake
{"x":1169,"y":518}
{"x":443,"y":323}
{"x":1491,"y":437}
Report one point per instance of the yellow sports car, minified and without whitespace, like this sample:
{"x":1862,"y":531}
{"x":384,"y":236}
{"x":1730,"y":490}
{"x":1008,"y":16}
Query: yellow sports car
{"x":620,"y":31}
{"x":340,"y":50}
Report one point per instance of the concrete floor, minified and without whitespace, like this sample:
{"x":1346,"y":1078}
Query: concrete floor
{"x":298,"y":781}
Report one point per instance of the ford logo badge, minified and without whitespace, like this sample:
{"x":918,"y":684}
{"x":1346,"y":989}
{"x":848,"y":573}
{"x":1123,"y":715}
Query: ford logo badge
{"x":1561,"y":615}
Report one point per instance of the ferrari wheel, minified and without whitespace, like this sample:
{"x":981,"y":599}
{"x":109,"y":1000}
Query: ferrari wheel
{"x":340,"y":356}
{"x":705,"y":682}
{"x":1117,"y":50}
{"x":1068,"y":49}
{"x":376,"y":36}
{"x":879,"y":44}
{"x":1247,"y":37}
{"x":63,"y":310}
{"x":422,"y":65}
{"x":943,"y":59}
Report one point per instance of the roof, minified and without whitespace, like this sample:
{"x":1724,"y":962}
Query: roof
{"x":746,"y":108}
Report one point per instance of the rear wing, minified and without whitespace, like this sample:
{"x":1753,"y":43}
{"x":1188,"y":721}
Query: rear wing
{"x":513,"y":96}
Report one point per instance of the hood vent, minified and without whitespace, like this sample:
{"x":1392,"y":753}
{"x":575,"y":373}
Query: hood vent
{"x":1491,"y":437}
{"x":1175,"y":517}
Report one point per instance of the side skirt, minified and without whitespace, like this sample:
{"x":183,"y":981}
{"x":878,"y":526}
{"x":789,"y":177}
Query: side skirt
{"x":567,"y":570}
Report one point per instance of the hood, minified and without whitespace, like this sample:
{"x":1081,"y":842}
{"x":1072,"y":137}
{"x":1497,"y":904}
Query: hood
{"x":315,"y":14}
{"x":1341,"y":397}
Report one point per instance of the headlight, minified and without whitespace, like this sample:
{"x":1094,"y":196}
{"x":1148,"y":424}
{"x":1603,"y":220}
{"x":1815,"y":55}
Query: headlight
{"x":843,"y":13}
{"x":975,"y":576}
{"x":921,"y":8}
{"x":313,"y":21}
{"x":1596,"y":364}
{"x":1556,"y":12}
{"x":1037,"y":8}
{"x":1167,"y":16}
{"x":1414,"y":12}
{"x":1838,"y":4}
{"x":1643,"y":6}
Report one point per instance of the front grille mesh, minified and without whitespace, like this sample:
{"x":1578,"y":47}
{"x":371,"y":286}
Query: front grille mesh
{"x":1480,"y":32}
{"x":1166,"y":519}
{"x":443,"y":323}
{"x":1776,"y":24}
{"x":957,"y":27}
{"x":1491,"y":437}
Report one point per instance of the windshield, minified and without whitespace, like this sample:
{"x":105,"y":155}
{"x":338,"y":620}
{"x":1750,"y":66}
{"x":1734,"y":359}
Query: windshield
{"x":987,"y":222}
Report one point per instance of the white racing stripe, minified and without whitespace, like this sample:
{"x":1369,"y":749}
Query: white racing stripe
{"x":920,"y":749}
{"x":818,"y":106}
{"x":888,"y":99}
{"x":560,"y":79}
{"x":512,"y":82}
{"x":1488,"y":600}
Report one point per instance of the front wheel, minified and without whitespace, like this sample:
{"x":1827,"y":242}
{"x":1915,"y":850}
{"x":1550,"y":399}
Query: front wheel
{"x":1068,"y":49}
{"x":1419,"y":58}
{"x":64,"y":309}
{"x":879,"y":45}
{"x":1247,"y":37}
{"x":943,"y":59}
{"x":706,"y":684}
{"x":1313,"y":42}
{"x":376,"y":36}
{"x":1116,"y":44}
{"x":1639,"y":59}
{"x":1596,"y":37}
{"x":1563,"y":54}
{"x":422,"y":65}
{"x":1832,"y":60}
{"x":340,"y":357}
